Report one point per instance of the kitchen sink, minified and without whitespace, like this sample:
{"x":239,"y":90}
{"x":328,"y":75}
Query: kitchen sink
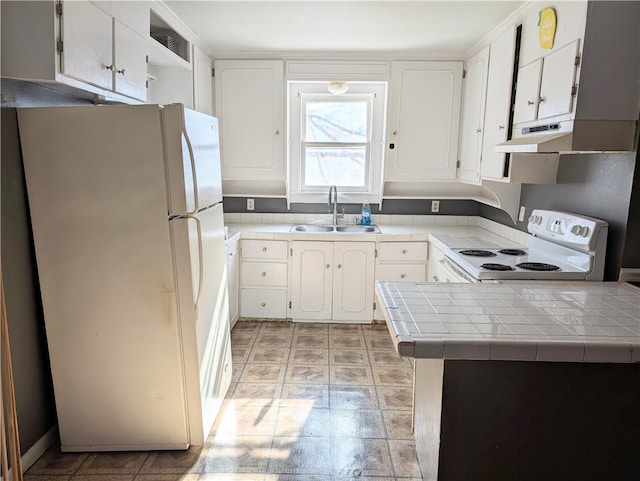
{"x":358,"y":228}
{"x":312,"y":228}
{"x":346,"y":229}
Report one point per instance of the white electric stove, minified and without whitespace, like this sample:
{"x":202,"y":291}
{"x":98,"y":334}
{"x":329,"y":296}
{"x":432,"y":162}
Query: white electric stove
{"x":562,"y":246}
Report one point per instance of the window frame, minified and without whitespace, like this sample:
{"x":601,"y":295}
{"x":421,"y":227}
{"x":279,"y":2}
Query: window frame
{"x":302,"y":92}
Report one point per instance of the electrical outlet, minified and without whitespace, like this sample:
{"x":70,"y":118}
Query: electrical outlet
{"x":521,"y":214}
{"x":250,"y":204}
{"x":435,"y":206}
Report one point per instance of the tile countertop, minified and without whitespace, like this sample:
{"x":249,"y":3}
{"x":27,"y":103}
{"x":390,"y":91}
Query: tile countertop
{"x":514,"y":320}
{"x":443,"y":236}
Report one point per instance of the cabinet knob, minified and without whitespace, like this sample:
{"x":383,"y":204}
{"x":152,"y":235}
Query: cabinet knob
{"x":541,"y":99}
{"x":327,"y":266}
{"x":278,"y":132}
{"x":264,"y":304}
{"x":121,"y":71}
{"x":264,"y":249}
{"x":264,"y":274}
{"x":530,"y":103}
{"x":478,"y":131}
{"x":435,"y":278}
{"x":501,"y":127}
{"x":109,"y":67}
{"x":404,"y":251}
{"x":339,"y":266}
{"x":395,"y":132}
{"x":402,"y":276}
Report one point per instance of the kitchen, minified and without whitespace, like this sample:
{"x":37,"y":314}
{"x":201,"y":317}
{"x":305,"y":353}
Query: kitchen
{"x":599,"y":185}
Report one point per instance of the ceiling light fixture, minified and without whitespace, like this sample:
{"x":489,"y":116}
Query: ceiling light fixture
{"x":337,"y":87}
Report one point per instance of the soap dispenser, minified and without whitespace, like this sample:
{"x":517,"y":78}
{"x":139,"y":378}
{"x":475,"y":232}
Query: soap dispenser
{"x":365,"y":218}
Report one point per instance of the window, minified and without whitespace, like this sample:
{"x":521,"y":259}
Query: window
{"x":336,"y":140}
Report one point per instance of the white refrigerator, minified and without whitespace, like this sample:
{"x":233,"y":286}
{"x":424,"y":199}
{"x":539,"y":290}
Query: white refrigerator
{"x":126,"y":209}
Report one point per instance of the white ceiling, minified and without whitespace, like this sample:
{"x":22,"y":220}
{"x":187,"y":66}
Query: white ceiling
{"x":341,"y":26}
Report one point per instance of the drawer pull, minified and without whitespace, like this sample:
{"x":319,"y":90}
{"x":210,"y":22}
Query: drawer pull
{"x":264,"y":274}
{"x":264,"y":304}
{"x":264,"y":249}
{"x":404,"y":251}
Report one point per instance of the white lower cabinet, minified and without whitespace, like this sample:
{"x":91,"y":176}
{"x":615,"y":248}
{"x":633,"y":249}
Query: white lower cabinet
{"x":401,"y":261}
{"x":264,"y":277}
{"x":332,"y":281}
{"x":233,"y":281}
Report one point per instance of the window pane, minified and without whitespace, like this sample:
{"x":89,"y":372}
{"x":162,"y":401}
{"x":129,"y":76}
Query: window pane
{"x":336,"y":121}
{"x":342,"y":166}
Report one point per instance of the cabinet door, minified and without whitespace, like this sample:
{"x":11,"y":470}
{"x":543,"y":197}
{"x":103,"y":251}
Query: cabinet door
{"x":311,"y":280}
{"x":473,"y":107}
{"x":435,"y":255}
{"x":353,"y":281}
{"x":233,"y":267}
{"x":424,"y":112}
{"x":130,"y":62}
{"x":498,"y":105}
{"x":87,"y":54}
{"x":202,"y":82}
{"x":558,"y":79}
{"x":528,"y":87}
{"x":250,"y":105}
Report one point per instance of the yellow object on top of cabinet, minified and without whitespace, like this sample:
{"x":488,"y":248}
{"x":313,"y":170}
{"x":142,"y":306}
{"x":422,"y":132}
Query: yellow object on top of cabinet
{"x":547,"y":28}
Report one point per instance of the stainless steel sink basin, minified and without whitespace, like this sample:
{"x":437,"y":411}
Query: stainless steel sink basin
{"x":312,"y":228}
{"x":346,"y":229}
{"x":359,"y":229}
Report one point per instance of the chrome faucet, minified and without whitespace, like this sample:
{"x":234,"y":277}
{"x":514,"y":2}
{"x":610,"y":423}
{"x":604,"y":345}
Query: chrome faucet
{"x":333,"y":200}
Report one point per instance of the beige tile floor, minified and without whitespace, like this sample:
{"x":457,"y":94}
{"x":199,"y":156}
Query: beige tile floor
{"x":308,"y":402}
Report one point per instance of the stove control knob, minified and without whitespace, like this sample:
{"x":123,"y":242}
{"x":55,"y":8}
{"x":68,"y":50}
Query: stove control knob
{"x":535,"y":219}
{"x":585,"y":231}
{"x":576,"y":229}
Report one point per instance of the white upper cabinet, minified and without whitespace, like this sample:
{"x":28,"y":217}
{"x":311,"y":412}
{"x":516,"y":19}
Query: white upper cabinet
{"x":473,"y":110}
{"x":87,"y":48}
{"x":79,"y":44}
{"x":546,"y":86}
{"x":202,"y":82}
{"x":130,"y":65}
{"x":424,"y":113}
{"x":498,"y":105}
{"x":249,"y":98}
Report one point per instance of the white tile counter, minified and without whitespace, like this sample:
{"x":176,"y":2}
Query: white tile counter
{"x":514,"y":320}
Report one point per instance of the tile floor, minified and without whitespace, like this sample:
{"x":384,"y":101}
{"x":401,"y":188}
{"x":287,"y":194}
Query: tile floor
{"x":308,"y":402}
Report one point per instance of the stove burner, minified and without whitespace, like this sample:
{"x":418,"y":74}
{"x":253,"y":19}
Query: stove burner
{"x":497,"y":267}
{"x":537,"y":266}
{"x":477,"y":253}
{"x":512,"y":252}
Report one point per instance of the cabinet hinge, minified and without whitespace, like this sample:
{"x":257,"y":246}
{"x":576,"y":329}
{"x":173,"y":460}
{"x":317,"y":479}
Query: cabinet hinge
{"x":59,"y":8}
{"x":574,"y":90}
{"x":59,"y":45}
{"x":458,"y":164}
{"x":374,"y":305}
{"x":213,"y":72}
{"x":289,"y":304}
{"x":375,"y":253}
{"x":577,"y":62}
{"x":464,"y":74}
{"x":291,"y":251}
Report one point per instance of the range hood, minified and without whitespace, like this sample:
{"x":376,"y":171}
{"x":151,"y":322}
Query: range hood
{"x":577,"y":136}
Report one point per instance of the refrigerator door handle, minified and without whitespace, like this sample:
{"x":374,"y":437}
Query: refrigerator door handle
{"x":194,"y":174}
{"x":200,"y":260}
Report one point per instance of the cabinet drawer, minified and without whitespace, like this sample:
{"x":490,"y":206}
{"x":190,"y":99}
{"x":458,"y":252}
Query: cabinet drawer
{"x":264,"y":274}
{"x":402,"y":272}
{"x":267,"y":303}
{"x":403,"y":251}
{"x":264,"y":249}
